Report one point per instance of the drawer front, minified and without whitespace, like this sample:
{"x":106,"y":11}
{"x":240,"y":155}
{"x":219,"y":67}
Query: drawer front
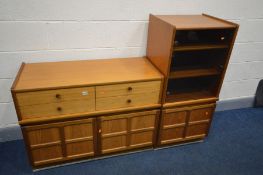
{"x":127,"y":131}
{"x":56,"y":109}
{"x":127,"y":89}
{"x":55,"y":96}
{"x":127,"y":101}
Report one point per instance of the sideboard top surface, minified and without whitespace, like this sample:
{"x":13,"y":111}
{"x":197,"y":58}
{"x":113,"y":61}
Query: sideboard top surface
{"x":184,"y":22}
{"x":52,"y":75}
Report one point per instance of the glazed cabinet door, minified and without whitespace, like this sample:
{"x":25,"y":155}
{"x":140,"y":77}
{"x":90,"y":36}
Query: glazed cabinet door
{"x":55,"y":142}
{"x":127,"y":131}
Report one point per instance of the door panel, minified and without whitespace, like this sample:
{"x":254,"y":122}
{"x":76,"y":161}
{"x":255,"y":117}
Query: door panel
{"x":127,"y":131}
{"x":172,"y":134}
{"x":48,"y":154}
{"x":80,"y":149}
{"x":185,"y":123}
{"x":59,"y":141}
{"x":141,"y":139}
{"x":197,"y":130}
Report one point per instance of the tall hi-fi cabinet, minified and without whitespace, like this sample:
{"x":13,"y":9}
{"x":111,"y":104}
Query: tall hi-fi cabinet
{"x":192,"y":52}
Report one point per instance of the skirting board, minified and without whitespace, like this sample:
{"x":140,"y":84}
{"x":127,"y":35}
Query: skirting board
{"x":238,"y":103}
{"x":13,"y":132}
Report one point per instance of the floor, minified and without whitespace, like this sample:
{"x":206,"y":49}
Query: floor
{"x":233,"y":147}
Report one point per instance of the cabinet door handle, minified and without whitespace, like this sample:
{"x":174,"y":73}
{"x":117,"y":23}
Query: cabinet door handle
{"x":206,"y":113}
{"x":99,"y":130}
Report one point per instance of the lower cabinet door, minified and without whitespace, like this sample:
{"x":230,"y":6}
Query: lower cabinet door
{"x":126,"y":131}
{"x":79,"y":140}
{"x":185,"y":123}
{"x":173,"y":125}
{"x":51,"y":143}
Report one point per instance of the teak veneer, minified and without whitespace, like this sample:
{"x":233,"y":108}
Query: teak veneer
{"x":82,"y":109}
{"x":74,"y":110}
{"x":192,"y":52}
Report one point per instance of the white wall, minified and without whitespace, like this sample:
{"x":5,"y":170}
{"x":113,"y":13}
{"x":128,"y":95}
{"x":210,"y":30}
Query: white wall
{"x":51,"y":30}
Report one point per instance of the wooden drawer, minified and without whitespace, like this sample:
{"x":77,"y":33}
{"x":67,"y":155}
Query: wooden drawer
{"x":127,"y":89}
{"x":127,"y":131}
{"x":127,"y":101}
{"x":56,"y":109}
{"x":55,"y":96}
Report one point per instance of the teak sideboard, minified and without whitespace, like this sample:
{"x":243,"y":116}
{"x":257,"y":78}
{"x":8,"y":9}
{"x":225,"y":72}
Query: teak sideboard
{"x":75,"y":110}
{"x":78,"y":109}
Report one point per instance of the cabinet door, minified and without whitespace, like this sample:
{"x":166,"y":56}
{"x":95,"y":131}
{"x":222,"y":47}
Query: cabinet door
{"x":44,"y":144}
{"x":55,"y":142}
{"x":173,"y":125}
{"x":127,"y":131}
{"x":185,"y":123}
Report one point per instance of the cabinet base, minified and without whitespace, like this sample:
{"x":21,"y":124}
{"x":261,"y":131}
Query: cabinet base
{"x":179,"y":144}
{"x":91,"y":159}
{"x":119,"y":154}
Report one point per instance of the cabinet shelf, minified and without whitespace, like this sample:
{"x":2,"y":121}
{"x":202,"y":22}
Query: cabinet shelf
{"x":185,"y":96}
{"x":199,"y":47}
{"x":197,"y":72}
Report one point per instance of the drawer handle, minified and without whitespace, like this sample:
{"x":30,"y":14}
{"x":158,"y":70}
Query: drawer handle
{"x":129,"y":88}
{"x":129,"y":101}
{"x":58,"y":96}
{"x":59,"y":108}
{"x":222,"y":38}
{"x":206,"y":113}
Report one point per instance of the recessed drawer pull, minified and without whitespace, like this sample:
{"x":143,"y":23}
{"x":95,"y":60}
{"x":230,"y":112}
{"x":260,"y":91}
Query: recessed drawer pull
{"x":129,"y":101}
{"x":58,"y":96}
{"x":59,"y":108}
{"x":129,"y":88}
